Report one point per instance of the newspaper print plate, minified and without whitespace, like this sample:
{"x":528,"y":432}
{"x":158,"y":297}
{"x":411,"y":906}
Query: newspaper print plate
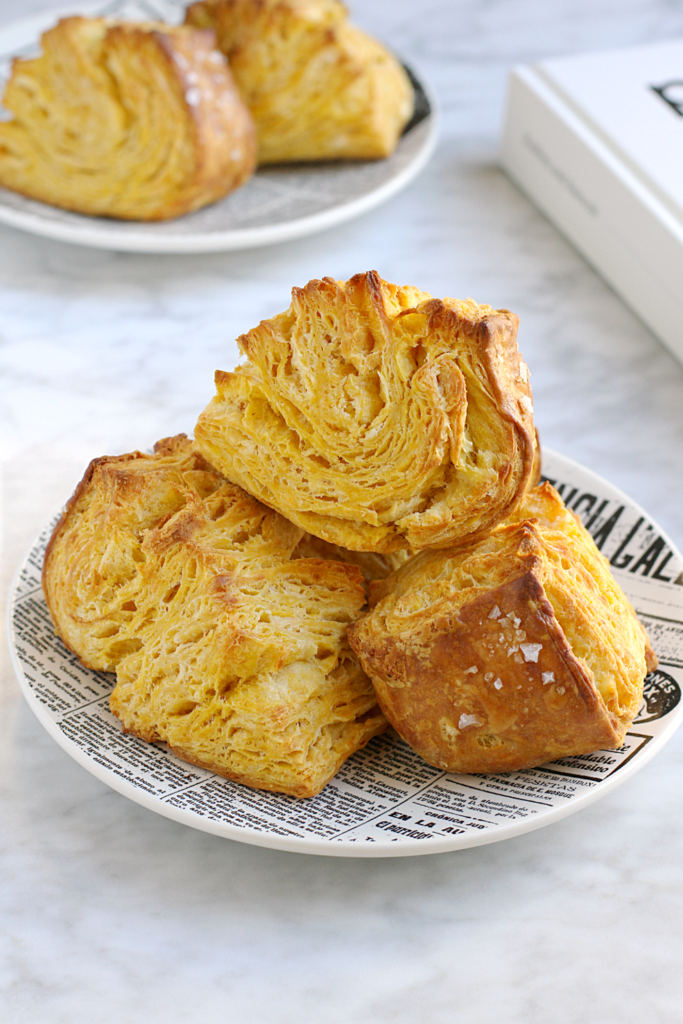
{"x":277,"y":204}
{"x":385,"y":801}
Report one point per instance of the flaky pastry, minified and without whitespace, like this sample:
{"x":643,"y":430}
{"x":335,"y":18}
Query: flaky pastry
{"x":318,"y":87}
{"x":134,"y":121}
{"x":376,"y":417}
{"x":225,"y":645}
{"x":373,"y":566}
{"x":510,"y":652}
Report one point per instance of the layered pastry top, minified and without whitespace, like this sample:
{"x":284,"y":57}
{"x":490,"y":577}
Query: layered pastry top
{"x":376,"y":417}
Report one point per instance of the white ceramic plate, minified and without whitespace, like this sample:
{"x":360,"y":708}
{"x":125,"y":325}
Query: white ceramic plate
{"x":278,"y":203}
{"x":385,"y":801}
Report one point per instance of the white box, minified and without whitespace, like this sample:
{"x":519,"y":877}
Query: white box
{"x":596,"y":141}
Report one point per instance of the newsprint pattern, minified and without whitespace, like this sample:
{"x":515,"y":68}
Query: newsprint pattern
{"x":385,"y":800}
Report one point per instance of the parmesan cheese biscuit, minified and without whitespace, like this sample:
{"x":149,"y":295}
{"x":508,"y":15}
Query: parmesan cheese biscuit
{"x":225,"y":646}
{"x":376,"y":417}
{"x":509,"y":652}
{"x":134,"y":121}
{"x":318,"y":87}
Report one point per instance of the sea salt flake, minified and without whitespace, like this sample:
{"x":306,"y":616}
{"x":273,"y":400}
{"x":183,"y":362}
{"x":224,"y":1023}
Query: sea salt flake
{"x":472,"y":670}
{"x":467,"y":721}
{"x":559,"y":689}
{"x":530,"y":651}
{"x":193,"y":97}
{"x":512,"y":650}
{"x":497,"y":683}
{"x":495,"y":612}
{"x":488,"y":677}
{"x":548,"y":677}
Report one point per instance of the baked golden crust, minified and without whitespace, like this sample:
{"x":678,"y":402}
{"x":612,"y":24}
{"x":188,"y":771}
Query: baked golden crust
{"x":376,"y":417}
{"x":318,"y":87}
{"x":510,"y":652}
{"x":224,"y":645}
{"x":134,"y":121}
{"x":373,"y":566}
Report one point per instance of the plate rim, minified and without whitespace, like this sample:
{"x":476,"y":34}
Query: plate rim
{"x":94,"y":234}
{"x":330,"y":848}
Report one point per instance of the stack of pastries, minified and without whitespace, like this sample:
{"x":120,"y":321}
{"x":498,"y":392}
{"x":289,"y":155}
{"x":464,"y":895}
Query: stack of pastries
{"x":145,"y":121}
{"x":354,"y":538}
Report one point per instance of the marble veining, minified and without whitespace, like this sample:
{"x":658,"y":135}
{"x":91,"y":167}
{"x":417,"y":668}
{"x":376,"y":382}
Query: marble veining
{"x":113,"y":914}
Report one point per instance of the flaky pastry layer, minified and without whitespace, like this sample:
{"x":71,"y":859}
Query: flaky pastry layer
{"x":225,"y":645}
{"x":318,"y":88}
{"x":510,"y":652}
{"x":377,"y":417}
{"x":134,"y":121}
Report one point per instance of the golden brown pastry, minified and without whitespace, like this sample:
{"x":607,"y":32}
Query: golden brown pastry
{"x":373,"y":566}
{"x":318,"y":87}
{"x":136,"y":121}
{"x":510,"y":652}
{"x":376,"y":417}
{"x":224,"y":645}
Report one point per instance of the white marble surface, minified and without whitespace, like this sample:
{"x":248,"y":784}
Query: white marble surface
{"x":113,"y":914}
